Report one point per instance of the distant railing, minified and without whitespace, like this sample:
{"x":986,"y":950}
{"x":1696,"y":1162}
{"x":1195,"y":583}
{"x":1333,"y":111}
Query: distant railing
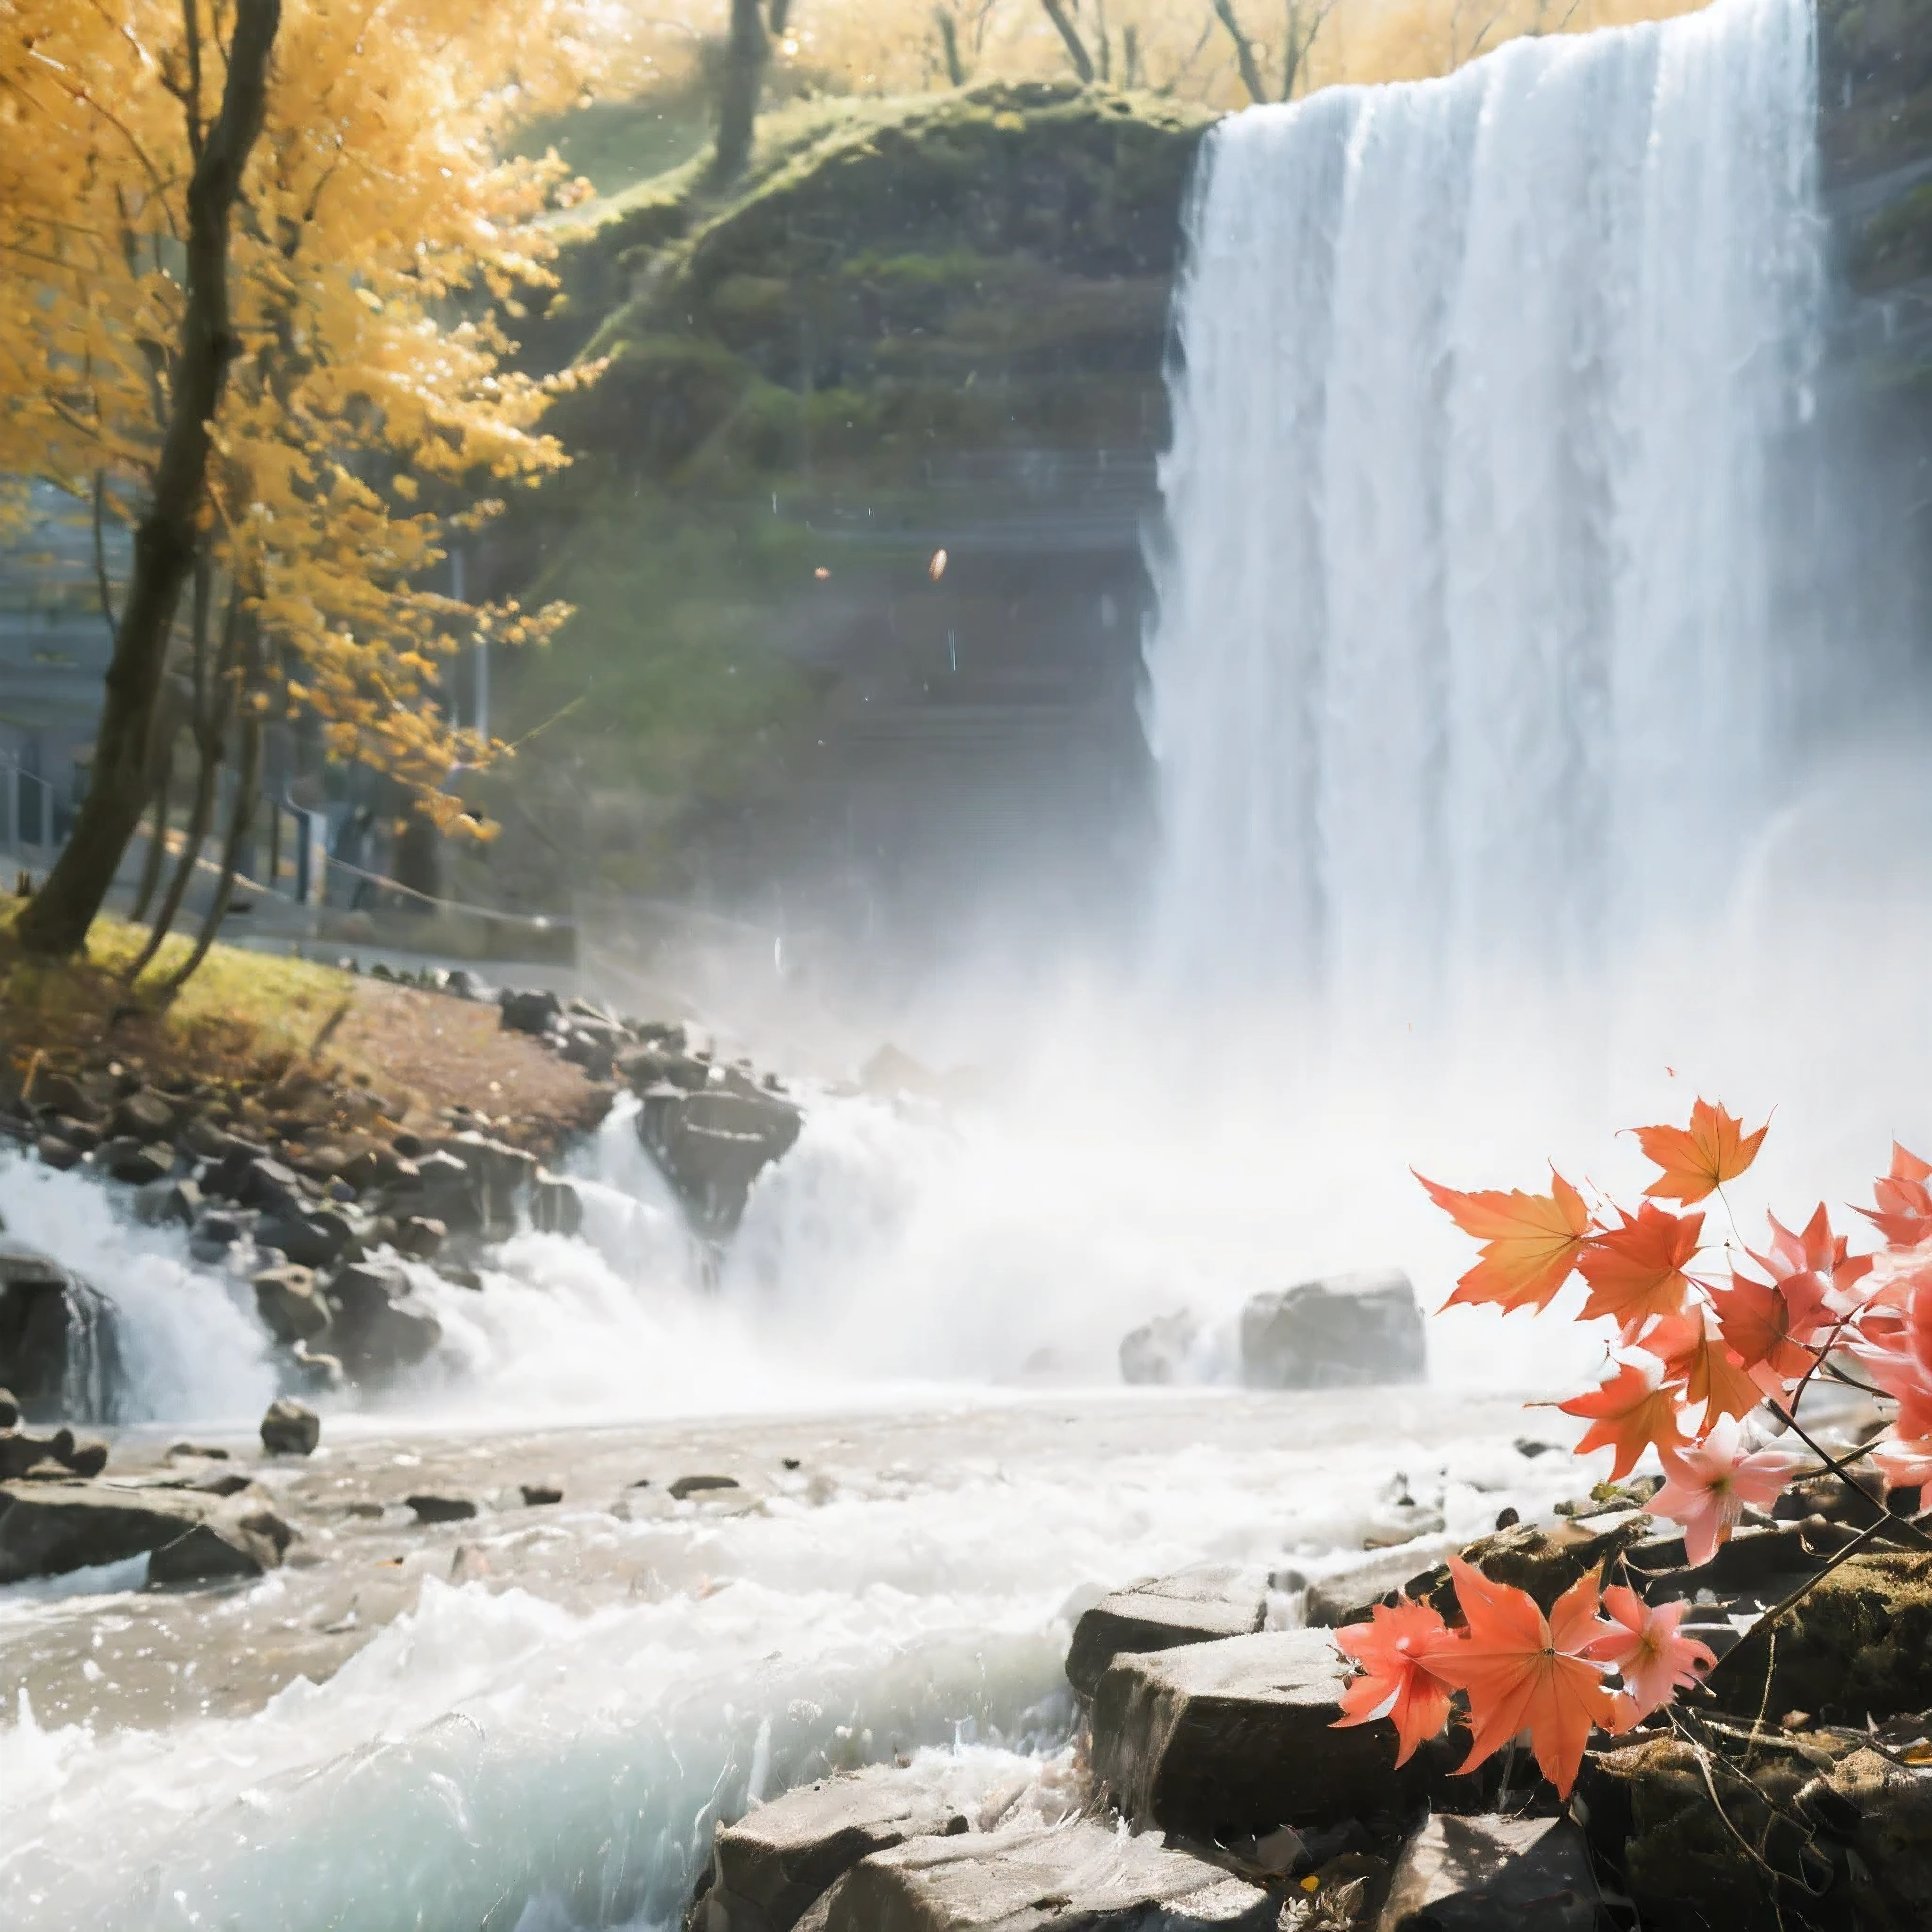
{"x":27,"y":816}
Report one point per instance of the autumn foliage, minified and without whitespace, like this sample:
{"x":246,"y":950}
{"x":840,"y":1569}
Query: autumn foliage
{"x":1699,"y":1350}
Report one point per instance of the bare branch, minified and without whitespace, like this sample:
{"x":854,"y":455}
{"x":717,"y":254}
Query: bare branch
{"x":1076,"y":48}
{"x":1244,"y":51}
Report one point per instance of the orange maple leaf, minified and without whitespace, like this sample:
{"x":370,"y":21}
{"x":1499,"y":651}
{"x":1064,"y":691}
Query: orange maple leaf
{"x":1396,"y":1650}
{"x":1530,"y":1242}
{"x":1637,"y":1271}
{"x":1711,"y":1376}
{"x":1635,"y":1410}
{"x":1524,"y":1671}
{"x":1903,"y":1215}
{"x":1698,"y":1160}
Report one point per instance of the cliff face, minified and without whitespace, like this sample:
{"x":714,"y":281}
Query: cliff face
{"x":939,"y":326}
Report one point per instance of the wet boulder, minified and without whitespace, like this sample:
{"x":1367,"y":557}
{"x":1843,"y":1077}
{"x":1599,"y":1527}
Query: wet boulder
{"x":1160,"y":1352}
{"x":48,"y":1528}
{"x":555,"y":1207}
{"x":376,"y":1323}
{"x":768,"y":1869}
{"x":290,"y":1428}
{"x":58,"y":1348}
{"x":1082,"y":1878}
{"x":534,"y":1012}
{"x":1346,"y":1331}
{"x":230,"y":1544}
{"x":1493,"y":1874}
{"x":1196,"y":1605}
{"x":1220,"y":1741}
{"x":712,"y":1145}
{"x":290,"y":1304}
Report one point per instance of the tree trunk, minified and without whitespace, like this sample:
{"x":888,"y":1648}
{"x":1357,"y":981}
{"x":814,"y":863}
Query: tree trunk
{"x":1244,"y":52}
{"x":1076,"y":48}
{"x":167,"y":542}
{"x":780,"y":18}
{"x":948,"y":41}
{"x":738,"y":94}
{"x":200,"y":820}
{"x":249,"y":782}
{"x":157,"y":840}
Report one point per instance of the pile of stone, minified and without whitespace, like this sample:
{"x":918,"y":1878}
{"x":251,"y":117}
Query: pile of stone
{"x":322,"y":1229}
{"x":711,"y":1128}
{"x":1218,"y":1791}
{"x":60,"y":1512}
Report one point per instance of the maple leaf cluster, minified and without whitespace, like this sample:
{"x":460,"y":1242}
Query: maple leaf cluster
{"x":1695,"y":1352}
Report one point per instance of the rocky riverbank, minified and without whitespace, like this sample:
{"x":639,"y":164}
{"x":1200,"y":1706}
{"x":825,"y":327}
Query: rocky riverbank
{"x":1209,"y":1786}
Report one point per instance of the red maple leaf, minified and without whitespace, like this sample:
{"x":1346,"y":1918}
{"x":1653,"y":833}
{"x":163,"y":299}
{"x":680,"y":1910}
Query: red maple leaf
{"x":1637,"y":1271}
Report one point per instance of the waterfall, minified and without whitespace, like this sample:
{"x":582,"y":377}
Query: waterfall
{"x":1472,"y":657}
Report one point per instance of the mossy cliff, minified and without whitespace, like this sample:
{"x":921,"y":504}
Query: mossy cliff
{"x":916,"y":325}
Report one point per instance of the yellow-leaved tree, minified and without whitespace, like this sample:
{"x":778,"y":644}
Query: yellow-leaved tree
{"x":256,"y":257}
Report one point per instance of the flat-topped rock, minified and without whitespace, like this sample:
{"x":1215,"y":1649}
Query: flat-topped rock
{"x":774,"y":1863}
{"x":1193,"y":1606}
{"x":1493,"y":1874}
{"x":1229,"y":1739}
{"x":1081,"y":1875}
{"x":48,"y":1528}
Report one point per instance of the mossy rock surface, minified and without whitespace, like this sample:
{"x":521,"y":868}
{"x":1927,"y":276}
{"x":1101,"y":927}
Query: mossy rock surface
{"x":1859,"y":1645}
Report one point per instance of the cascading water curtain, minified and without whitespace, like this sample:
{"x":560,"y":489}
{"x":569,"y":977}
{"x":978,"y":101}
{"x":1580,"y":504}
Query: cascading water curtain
{"x":1465,"y":636}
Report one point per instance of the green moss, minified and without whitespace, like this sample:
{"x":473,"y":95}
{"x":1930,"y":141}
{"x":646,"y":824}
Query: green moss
{"x":1860,"y":1644}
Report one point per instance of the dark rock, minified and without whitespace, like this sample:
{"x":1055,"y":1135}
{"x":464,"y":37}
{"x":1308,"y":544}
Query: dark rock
{"x":48,"y":1528}
{"x":556,"y":1208}
{"x":10,"y":1409}
{"x":1158,"y":1353}
{"x":1195,"y":1606}
{"x":85,"y":1456}
{"x":442,"y":1509}
{"x":532,"y":1012}
{"x":711,"y":1146}
{"x":497,"y":1173}
{"x":288,"y":1303}
{"x":375,"y":1324}
{"x":76,"y":1133}
{"x":1082,"y":1878}
{"x":536,"y":1495}
{"x":1223,"y":1740}
{"x":310,"y":1240}
{"x":214,"y":1235}
{"x":20,"y":1452}
{"x":57,"y":1154}
{"x":694,"y":1486}
{"x":375,"y":1167}
{"x":170,"y":1204}
{"x":1348,"y":1598}
{"x":205,"y":1141}
{"x":59,"y":1093}
{"x":1493,"y":1874}
{"x":133,"y":1162}
{"x":446,"y":1190}
{"x":420,"y":1236}
{"x":290,"y":1428}
{"x":143,"y":1116}
{"x":224,"y":1546}
{"x":768,"y":1869}
{"x":1346,"y":1331}
{"x":654,"y":1064}
{"x":58,"y":1350}
{"x":208,"y":1450}
{"x":1544,"y":1561}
